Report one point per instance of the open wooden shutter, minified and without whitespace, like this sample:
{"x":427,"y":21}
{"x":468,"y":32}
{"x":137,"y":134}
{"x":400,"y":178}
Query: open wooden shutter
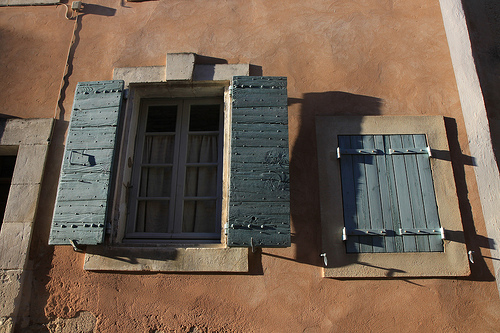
{"x":259,"y":208}
{"x":388,"y":194}
{"x":86,"y":174}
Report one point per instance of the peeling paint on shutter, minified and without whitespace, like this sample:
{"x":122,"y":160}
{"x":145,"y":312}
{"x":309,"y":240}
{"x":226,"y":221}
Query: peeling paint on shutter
{"x":86,"y":174}
{"x":387,"y":185}
{"x":259,"y":200}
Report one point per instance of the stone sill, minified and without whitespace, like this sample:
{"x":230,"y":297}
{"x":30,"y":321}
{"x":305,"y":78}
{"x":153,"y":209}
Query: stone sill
{"x":4,"y":3}
{"x":166,"y":259}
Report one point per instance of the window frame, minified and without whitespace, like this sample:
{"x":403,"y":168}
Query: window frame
{"x":179,"y":167}
{"x":340,"y":264}
{"x":170,"y":90}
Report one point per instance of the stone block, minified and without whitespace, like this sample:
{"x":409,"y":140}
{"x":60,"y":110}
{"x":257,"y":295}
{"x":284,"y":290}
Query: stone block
{"x":180,"y":66}
{"x":26,"y":131}
{"x":205,"y":72}
{"x":6,"y":325}
{"x":139,"y":74}
{"x":30,"y":163}
{"x":14,"y":245}
{"x":10,"y":292}
{"x":21,"y":203}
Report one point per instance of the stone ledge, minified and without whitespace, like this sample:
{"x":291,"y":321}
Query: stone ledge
{"x":139,"y":74}
{"x":27,"y":2}
{"x":158,"y":259}
{"x":26,"y":132}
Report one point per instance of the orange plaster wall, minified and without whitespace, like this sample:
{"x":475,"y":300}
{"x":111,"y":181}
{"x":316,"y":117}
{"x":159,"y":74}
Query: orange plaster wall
{"x":340,"y":57}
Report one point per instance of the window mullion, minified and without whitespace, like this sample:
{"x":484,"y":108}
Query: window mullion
{"x":180,"y":163}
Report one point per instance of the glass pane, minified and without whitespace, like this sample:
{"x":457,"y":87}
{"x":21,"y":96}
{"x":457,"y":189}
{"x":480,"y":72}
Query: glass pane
{"x":202,"y":149}
{"x":201,"y":181}
{"x":204,"y":118}
{"x":199,"y":216}
{"x":161,"y":118}
{"x":159,"y":149}
{"x":155,"y":182}
{"x":152,"y":216}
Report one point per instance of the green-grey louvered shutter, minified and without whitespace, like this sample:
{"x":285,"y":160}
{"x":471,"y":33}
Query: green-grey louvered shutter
{"x":259,"y":204}
{"x":388,"y":194}
{"x":86,"y":174}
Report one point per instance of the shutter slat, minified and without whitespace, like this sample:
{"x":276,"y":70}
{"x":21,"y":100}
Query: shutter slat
{"x":415,"y":192}
{"x":393,"y":197}
{"x":87,"y":165}
{"x":428,"y":196}
{"x":373,"y":189}
{"x":403,"y":195}
{"x":259,"y":181}
{"x":349,"y":195}
{"x":361,"y":192}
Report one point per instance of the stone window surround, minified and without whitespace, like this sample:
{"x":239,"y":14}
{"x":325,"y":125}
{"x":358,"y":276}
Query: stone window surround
{"x":28,"y":2}
{"x":452,"y":262}
{"x":29,"y":140}
{"x":180,"y":78}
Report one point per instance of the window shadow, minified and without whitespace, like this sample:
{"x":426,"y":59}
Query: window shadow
{"x":304,"y":186}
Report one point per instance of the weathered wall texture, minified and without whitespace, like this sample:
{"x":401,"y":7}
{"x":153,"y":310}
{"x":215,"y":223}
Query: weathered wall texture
{"x":340,"y":57}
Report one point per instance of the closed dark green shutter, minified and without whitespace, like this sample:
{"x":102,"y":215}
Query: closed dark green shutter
{"x":259,"y":208}
{"x":84,"y":184}
{"x":388,"y":194}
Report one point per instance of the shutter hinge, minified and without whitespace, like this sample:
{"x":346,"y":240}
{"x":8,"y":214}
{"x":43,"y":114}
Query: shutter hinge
{"x":422,"y":231}
{"x":226,"y":228}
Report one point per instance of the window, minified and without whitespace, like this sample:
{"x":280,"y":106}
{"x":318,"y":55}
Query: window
{"x":388,"y":194}
{"x":177,"y":177}
{"x":201,"y":168}
{"x":384,"y":200}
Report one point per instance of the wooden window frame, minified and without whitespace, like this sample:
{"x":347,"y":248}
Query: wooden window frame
{"x":177,"y":197}
{"x":340,"y":264}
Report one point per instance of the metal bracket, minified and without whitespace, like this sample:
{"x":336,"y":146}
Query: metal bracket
{"x":252,"y":244}
{"x":403,"y":151}
{"x":363,"y":232}
{"x":76,"y":246}
{"x":471,"y":258}
{"x":325,"y":259}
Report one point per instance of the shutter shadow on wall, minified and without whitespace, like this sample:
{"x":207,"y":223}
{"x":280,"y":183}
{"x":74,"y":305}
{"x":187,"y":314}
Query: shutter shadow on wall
{"x":84,"y":185}
{"x":259,"y":199}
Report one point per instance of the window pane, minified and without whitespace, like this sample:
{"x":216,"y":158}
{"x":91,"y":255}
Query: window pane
{"x":161,"y":118}
{"x":204,"y":118}
{"x":199,"y":216}
{"x":201,"y":181}
{"x":159,"y":149}
{"x":202,"y":149}
{"x":152,"y":216}
{"x":155,"y":182}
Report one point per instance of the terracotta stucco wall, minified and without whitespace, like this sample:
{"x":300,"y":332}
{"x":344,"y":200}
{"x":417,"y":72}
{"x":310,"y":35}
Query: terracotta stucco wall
{"x":340,"y":57}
